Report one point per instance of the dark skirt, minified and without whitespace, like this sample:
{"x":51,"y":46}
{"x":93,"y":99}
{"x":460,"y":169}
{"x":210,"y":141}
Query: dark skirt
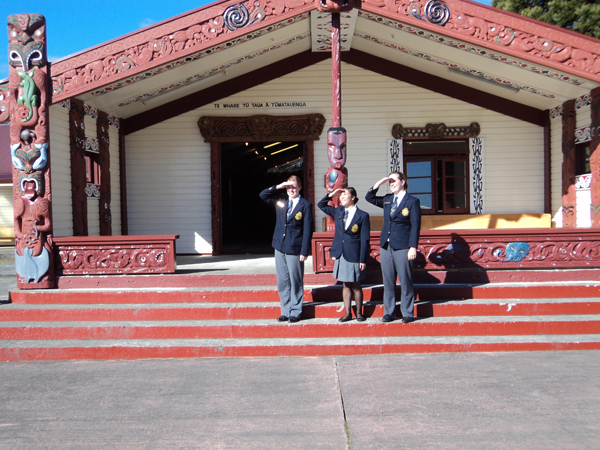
{"x":347,"y":272}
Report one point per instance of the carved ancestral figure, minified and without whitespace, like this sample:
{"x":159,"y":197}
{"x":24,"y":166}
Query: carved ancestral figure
{"x":29,"y":150}
{"x":336,"y":176}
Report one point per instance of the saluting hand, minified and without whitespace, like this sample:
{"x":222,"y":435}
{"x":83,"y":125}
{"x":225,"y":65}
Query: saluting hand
{"x":380,"y":182}
{"x":284,"y":185}
{"x":334,"y":193}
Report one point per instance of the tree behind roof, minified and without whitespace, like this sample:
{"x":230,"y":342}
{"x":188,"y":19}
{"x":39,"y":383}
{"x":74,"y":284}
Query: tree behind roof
{"x":582,"y":16}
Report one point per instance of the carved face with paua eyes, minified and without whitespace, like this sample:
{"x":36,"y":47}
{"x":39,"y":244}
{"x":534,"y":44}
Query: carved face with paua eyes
{"x":334,"y":6}
{"x":336,"y":147}
{"x":26,"y":41}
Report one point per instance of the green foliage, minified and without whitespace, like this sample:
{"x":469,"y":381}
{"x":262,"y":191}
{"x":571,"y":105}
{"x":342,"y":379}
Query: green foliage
{"x":582,"y":16}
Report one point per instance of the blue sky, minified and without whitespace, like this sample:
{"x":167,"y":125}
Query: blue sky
{"x":78,"y":25}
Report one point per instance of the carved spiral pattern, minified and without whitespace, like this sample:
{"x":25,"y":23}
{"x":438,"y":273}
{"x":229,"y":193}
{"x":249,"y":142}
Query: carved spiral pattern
{"x":437,"y":12}
{"x":236,"y":17}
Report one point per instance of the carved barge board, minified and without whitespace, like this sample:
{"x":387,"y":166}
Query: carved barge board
{"x":104,"y":255}
{"x":486,"y":249}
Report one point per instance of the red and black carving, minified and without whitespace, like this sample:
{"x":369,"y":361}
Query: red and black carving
{"x":78,"y":168}
{"x":569,"y":200}
{"x":102,"y":124}
{"x":26,"y":103}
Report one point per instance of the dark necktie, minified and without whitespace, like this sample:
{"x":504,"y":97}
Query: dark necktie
{"x":289,"y":210}
{"x":345,"y":217}
{"x":394,"y":207}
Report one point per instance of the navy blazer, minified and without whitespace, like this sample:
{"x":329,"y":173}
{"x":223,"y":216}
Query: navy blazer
{"x":352,"y":242}
{"x":403,"y":229}
{"x":291,"y":236}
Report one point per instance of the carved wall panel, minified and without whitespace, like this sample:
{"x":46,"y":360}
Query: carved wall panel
{"x":486,"y":249}
{"x":595,"y":158}
{"x":261,"y":128}
{"x":436,"y":131}
{"x":569,"y":196}
{"x":78,"y":169}
{"x":102,"y":125}
{"x":25,"y":103}
{"x":115,"y":255}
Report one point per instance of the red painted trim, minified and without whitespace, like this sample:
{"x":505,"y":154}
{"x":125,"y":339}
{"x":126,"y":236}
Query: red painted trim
{"x":123,"y":181}
{"x":547,"y":163}
{"x":222,"y":90}
{"x":445,"y":87}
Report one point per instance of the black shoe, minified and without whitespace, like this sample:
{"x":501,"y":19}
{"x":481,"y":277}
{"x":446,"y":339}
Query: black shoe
{"x":408,"y":319}
{"x":387,"y":318}
{"x":294,"y":319}
{"x":282,"y":319}
{"x":360,"y":318}
{"x":346,"y":318}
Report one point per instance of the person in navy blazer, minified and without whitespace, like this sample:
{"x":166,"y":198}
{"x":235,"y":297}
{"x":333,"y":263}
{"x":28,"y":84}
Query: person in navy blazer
{"x":291,"y":241}
{"x":399,"y":242}
{"x":350,"y":247}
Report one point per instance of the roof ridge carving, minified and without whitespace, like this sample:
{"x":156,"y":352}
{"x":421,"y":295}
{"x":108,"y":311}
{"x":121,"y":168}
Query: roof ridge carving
{"x":219,"y":22}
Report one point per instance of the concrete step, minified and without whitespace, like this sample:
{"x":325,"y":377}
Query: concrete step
{"x":107,"y":349}
{"x":270,"y":310}
{"x":315,"y":293}
{"x":313,"y":328}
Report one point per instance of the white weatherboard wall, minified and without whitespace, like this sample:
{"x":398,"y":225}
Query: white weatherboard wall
{"x":60,"y":171}
{"x":7,"y":218}
{"x":556,"y":170}
{"x":168,"y":179}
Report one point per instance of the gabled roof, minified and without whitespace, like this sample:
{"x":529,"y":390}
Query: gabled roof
{"x":457,"y":41}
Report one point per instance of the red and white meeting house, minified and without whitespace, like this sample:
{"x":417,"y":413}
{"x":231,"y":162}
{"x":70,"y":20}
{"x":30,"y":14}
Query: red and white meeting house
{"x":167,"y":135}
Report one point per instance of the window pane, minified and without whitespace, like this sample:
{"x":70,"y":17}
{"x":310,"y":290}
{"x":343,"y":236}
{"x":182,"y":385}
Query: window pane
{"x":425,"y":200}
{"x":418,"y":169}
{"x":456,"y":185}
{"x":433,"y":147}
{"x":419,"y":185}
{"x":456,"y":201}
{"x":454,"y":168}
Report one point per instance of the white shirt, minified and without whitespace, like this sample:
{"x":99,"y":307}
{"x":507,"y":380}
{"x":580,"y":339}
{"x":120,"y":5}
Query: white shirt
{"x":351,"y":212}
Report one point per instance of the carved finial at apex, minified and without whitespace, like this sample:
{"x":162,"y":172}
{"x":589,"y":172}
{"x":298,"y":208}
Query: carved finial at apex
{"x":334,"y":6}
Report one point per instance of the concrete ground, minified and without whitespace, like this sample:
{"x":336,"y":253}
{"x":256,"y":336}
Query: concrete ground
{"x":533,"y":400}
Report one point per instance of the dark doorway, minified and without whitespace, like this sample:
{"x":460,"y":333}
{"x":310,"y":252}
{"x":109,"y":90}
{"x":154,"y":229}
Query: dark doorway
{"x":247,"y":169}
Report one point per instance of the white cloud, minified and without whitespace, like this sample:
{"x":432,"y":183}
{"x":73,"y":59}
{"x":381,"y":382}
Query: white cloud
{"x":144,"y":23}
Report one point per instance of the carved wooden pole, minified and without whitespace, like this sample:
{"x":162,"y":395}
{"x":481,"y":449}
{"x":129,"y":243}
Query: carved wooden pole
{"x":28,"y":102}
{"x":595,"y":159}
{"x":569,"y":200}
{"x":336,"y":176}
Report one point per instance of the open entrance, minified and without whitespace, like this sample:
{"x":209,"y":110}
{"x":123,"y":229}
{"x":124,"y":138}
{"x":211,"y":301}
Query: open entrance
{"x":246,"y":169}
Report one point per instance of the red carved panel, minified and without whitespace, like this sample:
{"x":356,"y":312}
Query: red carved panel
{"x":104,"y":162}
{"x":78,"y":182}
{"x":569,"y":200}
{"x":499,"y":31}
{"x":595,"y":159}
{"x":486,"y":249}
{"x":261,"y":128}
{"x":101,"y":255}
{"x":168,"y":41}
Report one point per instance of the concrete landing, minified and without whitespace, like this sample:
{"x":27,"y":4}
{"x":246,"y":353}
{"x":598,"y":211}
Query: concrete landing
{"x":532,"y":400}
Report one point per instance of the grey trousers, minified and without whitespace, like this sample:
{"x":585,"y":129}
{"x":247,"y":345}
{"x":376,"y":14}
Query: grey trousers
{"x":395,"y":262}
{"x":290,"y":283}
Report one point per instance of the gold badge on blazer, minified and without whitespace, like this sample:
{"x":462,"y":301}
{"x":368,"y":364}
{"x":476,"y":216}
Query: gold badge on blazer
{"x":405,"y":212}
{"x":354,"y":228}
{"x":298,"y":216}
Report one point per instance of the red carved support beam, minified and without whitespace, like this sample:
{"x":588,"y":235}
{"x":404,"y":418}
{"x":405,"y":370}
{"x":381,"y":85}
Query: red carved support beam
{"x":569,"y":201}
{"x":78,"y":169}
{"x":215,"y":197}
{"x":28,"y":102}
{"x":104,"y":162}
{"x":336,"y":72}
{"x":595,"y":159}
